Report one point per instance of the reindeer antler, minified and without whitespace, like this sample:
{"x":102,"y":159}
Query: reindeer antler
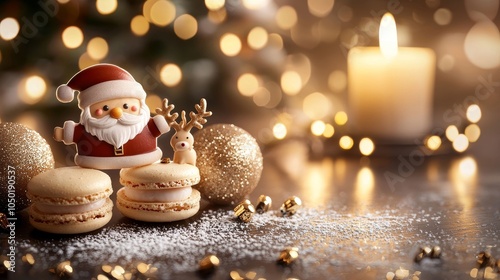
{"x":198,"y":119}
{"x":165,"y":112}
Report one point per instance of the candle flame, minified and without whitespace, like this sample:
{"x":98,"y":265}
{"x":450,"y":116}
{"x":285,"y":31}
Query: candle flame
{"x":388,"y":36}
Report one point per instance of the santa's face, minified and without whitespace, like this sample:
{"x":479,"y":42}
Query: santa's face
{"x":116,"y":121}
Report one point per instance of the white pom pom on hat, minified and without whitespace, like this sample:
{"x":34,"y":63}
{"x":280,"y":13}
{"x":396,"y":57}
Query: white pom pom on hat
{"x":64,"y":94}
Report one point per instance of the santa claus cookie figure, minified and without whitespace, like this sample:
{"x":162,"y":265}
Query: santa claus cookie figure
{"x":115,"y":129}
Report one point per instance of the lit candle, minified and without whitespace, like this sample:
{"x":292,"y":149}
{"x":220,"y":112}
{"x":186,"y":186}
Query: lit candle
{"x":390,"y":88}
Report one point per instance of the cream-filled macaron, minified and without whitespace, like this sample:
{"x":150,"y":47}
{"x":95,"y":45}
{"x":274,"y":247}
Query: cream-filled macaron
{"x":160,"y":192}
{"x":70,"y":200}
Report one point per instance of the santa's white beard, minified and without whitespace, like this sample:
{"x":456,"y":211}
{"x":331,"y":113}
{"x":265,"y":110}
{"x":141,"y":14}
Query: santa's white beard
{"x":116,"y":132}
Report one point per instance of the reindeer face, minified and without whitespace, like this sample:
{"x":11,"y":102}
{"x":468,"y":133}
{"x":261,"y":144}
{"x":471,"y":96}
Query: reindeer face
{"x":182,"y":140}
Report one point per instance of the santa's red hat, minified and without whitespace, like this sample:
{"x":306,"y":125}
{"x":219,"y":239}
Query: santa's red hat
{"x":98,"y":83}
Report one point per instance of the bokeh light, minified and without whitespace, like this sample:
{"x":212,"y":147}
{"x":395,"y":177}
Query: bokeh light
{"x":443,"y":16}
{"x":276,"y":41}
{"x":97,"y":48}
{"x":286,"y":17}
{"x":185,"y":26}
{"x":170,"y":75}
{"x":451,"y":132}
{"x":279,"y":131}
{"x":214,"y":5}
{"x":257,"y":38}
{"x":316,"y":106}
{"x":318,"y":128}
{"x":467,"y":167}
{"x":341,"y":118}
{"x":255,"y":4}
{"x":218,"y":16}
{"x":248,"y":84}
{"x":153,"y":101}
{"x":482,"y":45}
{"x":461,"y":143}
{"x":346,"y":142}
{"x":9,"y":28}
{"x":161,"y":13}
{"x":72,"y":37}
{"x":473,"y":132}
{"x":337,"y":81}
{"x":139,"y":25}
{"x":473,"y":113}
{"x":230,"y":44}
{"x":262,"y":97}
{"x":320,"y":8}
{"x":366,"y":146}
{"x":85,"y":61}
{"x":446,"y":63}
{"x":329,"y":131}
{"x":32,"y":89}
{"x":106,"y":7}
{"x":291,"y":83}
{"x":433,"y":142}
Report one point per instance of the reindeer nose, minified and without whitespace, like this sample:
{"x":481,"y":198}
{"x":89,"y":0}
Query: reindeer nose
{"x":116,"y":113}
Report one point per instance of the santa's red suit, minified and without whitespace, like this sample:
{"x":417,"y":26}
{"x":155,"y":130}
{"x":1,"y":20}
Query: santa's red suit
{"x":94,"y":153}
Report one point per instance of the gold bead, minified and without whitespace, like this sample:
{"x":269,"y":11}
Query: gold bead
{"x":436,"y":252}
{"x":165,"y":160}
{"x":263,"y":204}
{"x":28,"y":258}
{"x":208,"y":264}
{"x":288,"y":255}
{"x":64,"y":269}
{"x":244,"y":211}
{"x":290,"y":206}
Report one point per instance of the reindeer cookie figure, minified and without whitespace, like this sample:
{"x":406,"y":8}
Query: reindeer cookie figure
{"x":182,"y":141}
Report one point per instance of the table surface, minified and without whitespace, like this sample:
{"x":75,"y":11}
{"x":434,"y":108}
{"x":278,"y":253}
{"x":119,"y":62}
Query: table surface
{"x":355,"y":223}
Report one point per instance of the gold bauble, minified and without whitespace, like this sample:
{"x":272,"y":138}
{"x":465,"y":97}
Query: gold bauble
{"x":230,"y":163}
{"x":23,"y":154}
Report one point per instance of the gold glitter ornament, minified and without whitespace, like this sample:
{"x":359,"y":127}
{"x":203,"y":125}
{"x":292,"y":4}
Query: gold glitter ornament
{"x":230,"y":163}
{"x":23,"y":155}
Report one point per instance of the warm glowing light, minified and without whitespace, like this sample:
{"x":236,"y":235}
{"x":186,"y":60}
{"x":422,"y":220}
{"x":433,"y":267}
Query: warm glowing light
{"x":320,"y":8}
{"x":473,"y":113}
{"x":472,"y":132}
{"x":291,"y":83}
{"x":262,"y":97}
{"x":63,"y":1}
{"x":482,"y":43}
{"x":85,"y":61}
{"x":185,"y":26}
{"x":467,"y":167}
{"x":451,"y":132}
{"x":443,"y":16}
{"x":461,"y":143}
{"x":257,"y":38}
{"x":217,"y":16}
{"x":286,"y":17}
{"x":388,"y":36}
{"x":170,"y":75}
{"x":363,"y":188}
{"x":341,"y":118}
{"x":248,"y":84}
{"x":433,"y":143}
{"x":230,"y":44}
{"x":279,"y":131}
{"x":318,"y":128}
{"x":366,"y":146}
{"x":214,"y":5}
{"x":346,"y":142}
{"x":106,"y":7}
{"x":276,"y":41}
{"x":9,"y":28}
{"x":329,"y":131}
{"x":162,"y":12}
{"x":72,"y":37}
{"x":316,"y":106}
{"x":337,"y":81}
{"x":139,"y":25}
{"x":255,"y":4}
{"x":97,"y":48}
{"x":153,"y":101}
{"x":446,"y":63}
{"x":34,"y":89}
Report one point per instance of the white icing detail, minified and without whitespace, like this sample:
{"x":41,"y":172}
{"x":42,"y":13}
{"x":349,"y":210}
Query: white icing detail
{"x":70,"y":209}
{"x":158,"y":195}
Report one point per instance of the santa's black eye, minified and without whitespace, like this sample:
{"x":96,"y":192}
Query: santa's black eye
{"x":125,"y":106}
{"x":105,"y":108}
{"x":187,"y":137}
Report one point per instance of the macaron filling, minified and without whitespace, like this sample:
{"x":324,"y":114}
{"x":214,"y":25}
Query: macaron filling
{"x":70,"y":209}
{"x":158,"y":195}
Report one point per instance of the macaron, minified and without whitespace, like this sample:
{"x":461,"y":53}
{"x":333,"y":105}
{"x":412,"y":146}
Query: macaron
{"x":160,"y":192}
{"x":70,"y":200}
